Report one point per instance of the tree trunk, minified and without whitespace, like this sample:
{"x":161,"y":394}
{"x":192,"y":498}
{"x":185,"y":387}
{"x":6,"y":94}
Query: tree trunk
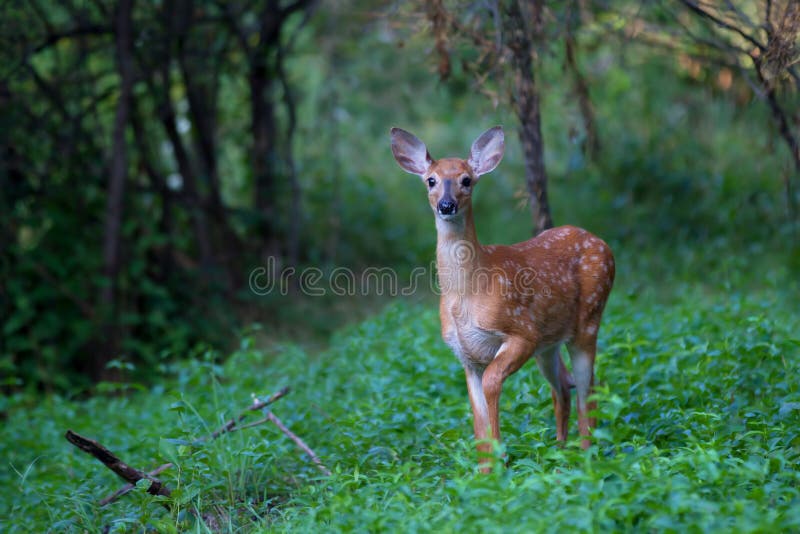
{"x":174,"y":21}
{"x":295,"y":210}
{"x":526,"y":107}
{"x":199,"y":80}
{"x":166,"y":225}
{"x":591,"y":145}
{"x":116,"y":190}
{"x":263,"y":155}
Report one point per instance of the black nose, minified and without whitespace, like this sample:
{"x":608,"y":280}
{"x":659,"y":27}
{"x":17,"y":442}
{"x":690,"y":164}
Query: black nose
{"x":446,"y":207}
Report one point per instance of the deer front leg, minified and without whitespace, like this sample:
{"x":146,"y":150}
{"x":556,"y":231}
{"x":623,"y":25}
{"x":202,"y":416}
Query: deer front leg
{"x":480,"y":412}
{"x":511,"y":355}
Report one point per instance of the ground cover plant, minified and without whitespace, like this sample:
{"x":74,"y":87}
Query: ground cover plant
{"x":126,"y":312}
{"x":699,"y":430}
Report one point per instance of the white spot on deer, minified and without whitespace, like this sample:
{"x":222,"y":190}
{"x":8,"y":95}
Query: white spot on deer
{"x":590,"y":329}
{"x":594,"y":257}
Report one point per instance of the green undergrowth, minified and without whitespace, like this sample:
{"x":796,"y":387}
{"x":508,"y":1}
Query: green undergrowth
{"x":699,"y":430}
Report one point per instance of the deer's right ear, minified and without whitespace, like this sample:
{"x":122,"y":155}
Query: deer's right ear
{"x":410,"y":153}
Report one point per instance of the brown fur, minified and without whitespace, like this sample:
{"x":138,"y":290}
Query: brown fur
{"x":500,"y":305}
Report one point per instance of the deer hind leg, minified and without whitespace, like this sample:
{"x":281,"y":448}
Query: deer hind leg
{"x":552,"y":367}
{"x":582,"y":354}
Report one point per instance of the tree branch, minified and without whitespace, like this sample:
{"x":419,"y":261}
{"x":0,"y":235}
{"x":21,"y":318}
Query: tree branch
{"x":79,"y":31}
{"x":110,"y":460}
{"x":693,"y":6}
{"x":299,"y":442}
{"x":127,"y":488}
{"x":229,"y":426}
{"x":780,"y":117}
{"x":231,"y":423}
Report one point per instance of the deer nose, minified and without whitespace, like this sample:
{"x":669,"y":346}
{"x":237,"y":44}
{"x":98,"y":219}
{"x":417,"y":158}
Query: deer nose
{"x":447,"y":207}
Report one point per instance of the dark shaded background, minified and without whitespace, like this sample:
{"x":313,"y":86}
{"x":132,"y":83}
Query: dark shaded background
{"x":152,"y":154}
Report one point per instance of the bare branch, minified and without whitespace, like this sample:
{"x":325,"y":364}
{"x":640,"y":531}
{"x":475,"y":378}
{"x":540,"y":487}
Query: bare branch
{"x":740,"y":14}
{"x":780,"y":116}
{"x":79,"y":31}
{"x":299,"y":442}
{"x":127,"y":488}
{"x":693,"y":6}
{"x":110,"y":460}
{"x":231,"y":424}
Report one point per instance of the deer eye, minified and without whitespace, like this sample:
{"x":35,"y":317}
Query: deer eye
{"x":431,"y":182}
{"x":465,"y":181}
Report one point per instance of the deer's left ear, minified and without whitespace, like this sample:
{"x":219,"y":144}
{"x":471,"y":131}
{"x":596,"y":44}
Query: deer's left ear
{"x":487,"y":151}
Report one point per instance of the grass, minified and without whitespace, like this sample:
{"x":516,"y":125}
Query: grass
{"x":699,"y":430}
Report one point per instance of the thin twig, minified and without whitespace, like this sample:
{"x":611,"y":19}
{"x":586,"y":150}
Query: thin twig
{"x":299,"y":442}
{"x":254,"y":423}
{"x":693,"y":6}
{"x":127,"y":488}
{"x":231,"y":424}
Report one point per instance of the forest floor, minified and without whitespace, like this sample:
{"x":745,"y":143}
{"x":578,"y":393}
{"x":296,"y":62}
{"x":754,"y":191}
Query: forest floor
{"x":699,"y":430}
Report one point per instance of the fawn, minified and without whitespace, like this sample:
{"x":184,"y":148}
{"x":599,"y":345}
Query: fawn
{"x":500,"y":305}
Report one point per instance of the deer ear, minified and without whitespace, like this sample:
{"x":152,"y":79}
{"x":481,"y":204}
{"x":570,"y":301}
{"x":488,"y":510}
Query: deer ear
{"x":487,"y":151}
{"x":410,"y":153}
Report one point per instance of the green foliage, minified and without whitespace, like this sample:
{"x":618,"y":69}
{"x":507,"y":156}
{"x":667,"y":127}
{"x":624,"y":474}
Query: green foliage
{"x":684,"y":166}
{"x":698,"y":429}
{"x":699,"y":408}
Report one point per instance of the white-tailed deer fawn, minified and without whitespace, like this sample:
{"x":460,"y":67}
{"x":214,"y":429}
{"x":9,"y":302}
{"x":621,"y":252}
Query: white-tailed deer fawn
{"x":500,"y":305}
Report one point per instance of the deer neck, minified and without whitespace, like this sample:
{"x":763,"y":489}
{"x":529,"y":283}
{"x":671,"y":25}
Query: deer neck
{"x":458,"y":253}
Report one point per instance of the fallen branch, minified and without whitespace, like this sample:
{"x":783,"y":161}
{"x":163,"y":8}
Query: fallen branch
{"x":120,"y":468}
{"x":231,"y":424}
{"x":299,"y":442}
{"x":127,"y":488}
{"x":133,"y":475}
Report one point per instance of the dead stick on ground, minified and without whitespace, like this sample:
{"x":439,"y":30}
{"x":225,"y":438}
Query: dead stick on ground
{"x":300,"y":443}
{"x":110,"y":460}
{"x":127,"y":488}
{"x":231,"y":424}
